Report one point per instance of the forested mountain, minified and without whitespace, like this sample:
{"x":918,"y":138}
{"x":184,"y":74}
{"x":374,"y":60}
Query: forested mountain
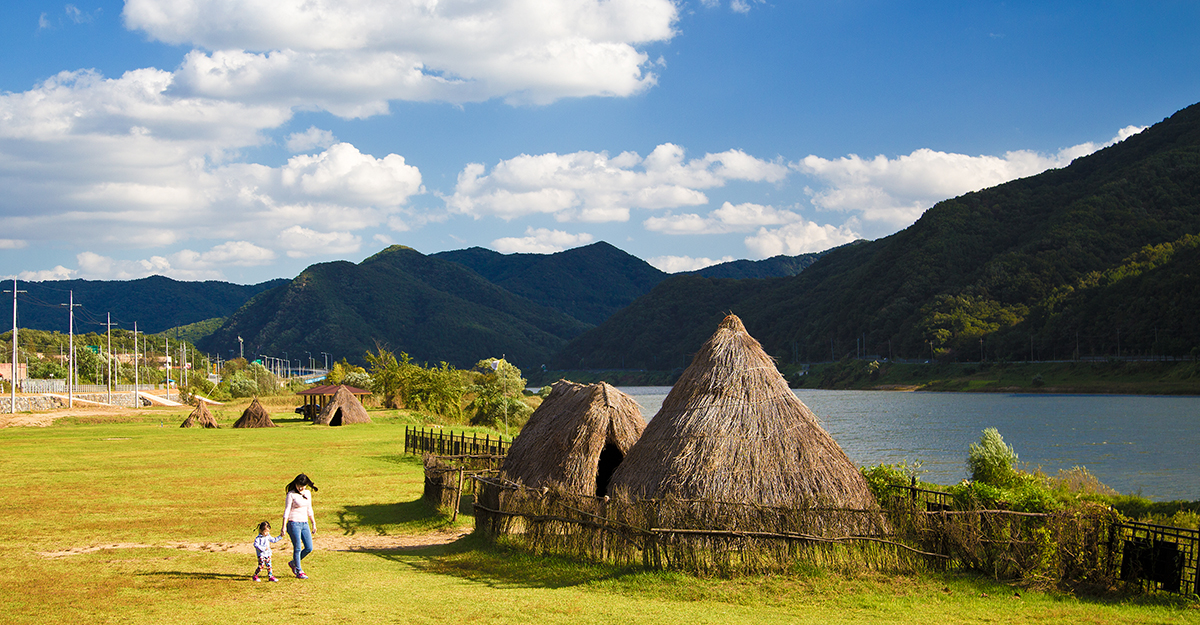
{"x":589,"y":283}
{"x":431,"y":308}
{"x":155,"y":303}
{"x":774,"y":267}
{"x":1035,"y":266}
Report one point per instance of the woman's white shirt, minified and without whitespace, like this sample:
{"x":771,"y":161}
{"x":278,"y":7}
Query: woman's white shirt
{"x":298,"y":507}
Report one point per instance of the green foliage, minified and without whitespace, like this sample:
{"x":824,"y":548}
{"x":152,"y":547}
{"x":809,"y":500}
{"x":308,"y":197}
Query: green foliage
{"x":991,"y":461}
{"x":438,"y":390}
{"x":883,"y":479}
{"x":497,"y":391}
{"x":338,"y":372}
{"x":241,"y":384}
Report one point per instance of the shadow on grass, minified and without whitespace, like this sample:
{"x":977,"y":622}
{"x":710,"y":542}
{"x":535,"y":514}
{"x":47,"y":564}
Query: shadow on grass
{"x":195,"y":575}
{"x":379,"y":518}
{"x":474,"y":558}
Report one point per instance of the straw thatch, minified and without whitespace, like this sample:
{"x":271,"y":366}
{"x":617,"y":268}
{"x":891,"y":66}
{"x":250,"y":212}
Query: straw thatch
{"x":255,"y":416}
{"x":575,"y":439}
{"x":732,"y":431}
{"x":200,"y":417}
{"x":343,"y":409}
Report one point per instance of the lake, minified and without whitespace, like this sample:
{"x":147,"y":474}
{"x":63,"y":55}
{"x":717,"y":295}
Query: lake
{"x":1133,"y":443}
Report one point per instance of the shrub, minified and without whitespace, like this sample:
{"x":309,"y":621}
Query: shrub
{"x":991,"y":461}
{"x":242,"y":386}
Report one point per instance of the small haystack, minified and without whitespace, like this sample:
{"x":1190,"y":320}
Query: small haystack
{"x":255,"y":416}
{"x":200,"y":417}
{"x":732,"y":431}
{"x":575,"y":439}
{"x":343,"y":409}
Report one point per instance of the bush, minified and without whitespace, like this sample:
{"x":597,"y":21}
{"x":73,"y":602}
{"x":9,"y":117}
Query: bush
{"x":242,"y":386}
{"x":991,"y":461}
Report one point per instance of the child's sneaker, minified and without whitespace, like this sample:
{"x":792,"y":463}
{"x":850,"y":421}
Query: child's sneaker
{"x":255,"y":578}
{"x":301,"y":575}
{"x":272,"y":579}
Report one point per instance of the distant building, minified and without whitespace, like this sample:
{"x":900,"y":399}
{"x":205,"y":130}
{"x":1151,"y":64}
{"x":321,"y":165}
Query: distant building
{"x":6,"y":371}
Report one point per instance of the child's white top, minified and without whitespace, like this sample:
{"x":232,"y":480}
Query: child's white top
{"x":262,"y":544}
{"x":298,"y":507}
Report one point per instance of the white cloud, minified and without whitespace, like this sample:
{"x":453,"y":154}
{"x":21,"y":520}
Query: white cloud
{"x":181,"y":265}
{"x":729,"y":218}
{"x":58,"y":273}
{"x":897,"y":191}
{"x":352,"y":56}
{"x":676,"y":264}
{"x":541,"y":241}
{"x":309,"y":139}
{"x":12,"y":244}
{"x":801,"y":237}
{"x":301,"y":242}
{"x":593,"y":187}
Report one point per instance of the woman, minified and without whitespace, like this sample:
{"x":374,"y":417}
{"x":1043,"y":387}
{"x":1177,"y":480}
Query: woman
{"x":297,"y":514}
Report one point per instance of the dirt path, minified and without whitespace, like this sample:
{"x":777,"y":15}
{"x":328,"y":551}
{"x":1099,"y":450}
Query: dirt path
{"x":45,"y":419}
{"x":356,"y":542}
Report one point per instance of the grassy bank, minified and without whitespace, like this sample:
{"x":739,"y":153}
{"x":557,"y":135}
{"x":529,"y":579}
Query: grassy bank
{"x":125,"y":517}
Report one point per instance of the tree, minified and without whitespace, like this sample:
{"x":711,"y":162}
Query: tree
{"x":498,"y":389}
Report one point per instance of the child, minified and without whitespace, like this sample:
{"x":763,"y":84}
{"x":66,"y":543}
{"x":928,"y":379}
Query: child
{"x":262,"y":547}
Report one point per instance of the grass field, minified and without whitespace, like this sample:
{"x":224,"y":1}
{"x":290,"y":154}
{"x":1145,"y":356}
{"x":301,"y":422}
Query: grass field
{"x":125,"y":518}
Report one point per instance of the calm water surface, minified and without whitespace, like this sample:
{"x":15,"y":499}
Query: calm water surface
{"x":1132,"y":443}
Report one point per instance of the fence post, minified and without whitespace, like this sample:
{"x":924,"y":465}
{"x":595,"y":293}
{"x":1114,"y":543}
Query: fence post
{"x":457,"y":496}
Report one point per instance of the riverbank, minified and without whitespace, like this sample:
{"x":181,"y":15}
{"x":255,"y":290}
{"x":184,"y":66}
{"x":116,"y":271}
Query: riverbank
{"x":1123,"y":378}
{"x":1114,"y":378}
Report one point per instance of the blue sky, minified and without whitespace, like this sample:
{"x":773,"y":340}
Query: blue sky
{"x":243,"y":141}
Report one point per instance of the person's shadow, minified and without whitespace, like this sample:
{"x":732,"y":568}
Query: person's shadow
{"x":194,"y":575}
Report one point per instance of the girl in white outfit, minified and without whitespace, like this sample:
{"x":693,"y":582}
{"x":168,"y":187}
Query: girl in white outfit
{"x":297,"y":515}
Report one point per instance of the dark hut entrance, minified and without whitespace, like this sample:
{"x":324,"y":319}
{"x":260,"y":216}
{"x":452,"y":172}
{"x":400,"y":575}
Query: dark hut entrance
{"x":337,"y":418}
{"x":610,"y":458}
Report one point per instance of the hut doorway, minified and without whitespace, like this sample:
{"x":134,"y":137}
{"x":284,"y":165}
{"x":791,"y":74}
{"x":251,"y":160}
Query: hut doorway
{"x":610,"y":457}
{"x":337,"y":418}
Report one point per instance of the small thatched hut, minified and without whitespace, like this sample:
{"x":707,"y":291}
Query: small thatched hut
{"x":575,"y":439}
{"x":255,"y":416}
{"x":343,"y":409}
{"x":731,"y":430}
{"x":200,"y":417}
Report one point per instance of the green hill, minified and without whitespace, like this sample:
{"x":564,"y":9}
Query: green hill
{"x":155,"y":303}
{"x":780,"y":266}
{"x":589,"y":283}
{"x":431,"y":308}
{"x":1030,"y":265}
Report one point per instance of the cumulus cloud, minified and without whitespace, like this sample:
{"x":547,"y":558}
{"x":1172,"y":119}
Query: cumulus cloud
{"x":12,"y":244}
{"x":86,"y":159}
{"x":301,"y":242}
{"x":353,"y":56}
{"x":897,"y":191}
{"x":58,"y":273}
{"x":801,"y":237}
{"x":541,"y":241}
{"x":310,"y":139}
{"x":676,"y":264}
{"x":181,"y":265}
{"x":729,"y":218}
{"x":594,"y":187}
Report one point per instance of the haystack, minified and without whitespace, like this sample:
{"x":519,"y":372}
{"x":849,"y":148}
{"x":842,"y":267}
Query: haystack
{"x":343,"y":409}
{"x":731,"y":430}
{"x":575,"y":439}
{"x":200,"y":417}
{"x":255,"y":416}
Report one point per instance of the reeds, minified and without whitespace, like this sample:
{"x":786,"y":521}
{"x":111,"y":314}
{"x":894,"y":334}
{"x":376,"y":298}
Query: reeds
{"x":254,"y":416}
{"x":343,"y":409}
{"x":200,"y":417}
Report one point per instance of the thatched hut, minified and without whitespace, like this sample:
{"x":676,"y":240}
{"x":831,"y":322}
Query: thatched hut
{"x":731,"y":430}
{"x":200,"y":417}
{"x":255,"y":416}
{"x":575,"y":439}
{"x":343,"y":409}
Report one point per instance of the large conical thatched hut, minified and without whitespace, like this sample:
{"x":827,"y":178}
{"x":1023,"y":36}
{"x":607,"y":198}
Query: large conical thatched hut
{"x":200,"y":417}
{"x":343,"y":409}
{"x":255,"y":416}
{"x":575,"y":439}
{"x":732,"y":431}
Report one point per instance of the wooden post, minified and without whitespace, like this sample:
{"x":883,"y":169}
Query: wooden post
{"x":457,"y":496}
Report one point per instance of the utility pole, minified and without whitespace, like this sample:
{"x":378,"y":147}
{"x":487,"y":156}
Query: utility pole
{"x":71,"y":374}
{"x":241,"y":351}
{"x":13,"y":383}
{"x":108,"y":382}
{"x":167,"y":355}
{"x":137,"y":402}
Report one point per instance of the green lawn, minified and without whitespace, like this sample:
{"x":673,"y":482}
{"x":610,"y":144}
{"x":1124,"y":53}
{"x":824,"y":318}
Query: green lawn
{"x":143,"y":483}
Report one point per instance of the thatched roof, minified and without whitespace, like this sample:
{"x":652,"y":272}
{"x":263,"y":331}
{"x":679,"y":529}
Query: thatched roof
{"x":255,"y":416}
{"x":731,"y":430}
{"x":575,"y":439}
{"x":343,"y":409}
{"x":200,"y":417}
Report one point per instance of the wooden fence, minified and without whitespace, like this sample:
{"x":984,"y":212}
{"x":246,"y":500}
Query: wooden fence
{"x":443,"y":443}
{"x":447,"y":477}
{"x":916,"y":529}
